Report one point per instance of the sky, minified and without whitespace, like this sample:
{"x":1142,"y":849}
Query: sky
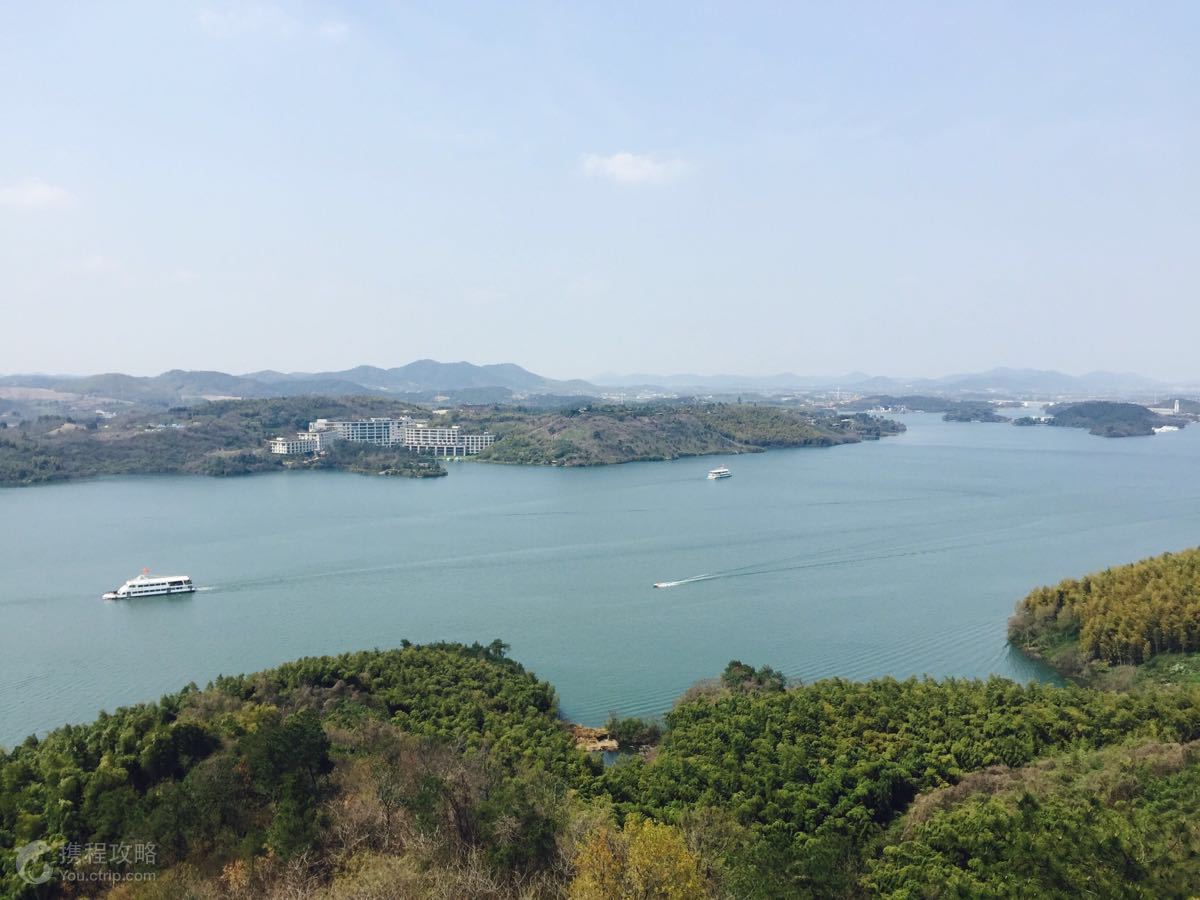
{"x":899,"y":188}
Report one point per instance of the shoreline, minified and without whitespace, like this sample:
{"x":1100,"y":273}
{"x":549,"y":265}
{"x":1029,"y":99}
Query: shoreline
{"x":285,"y":468}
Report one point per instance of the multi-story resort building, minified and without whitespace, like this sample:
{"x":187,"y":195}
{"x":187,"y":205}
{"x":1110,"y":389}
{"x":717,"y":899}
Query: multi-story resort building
{"x":444,"y":441}
{"x":420,"y":437}
{"x":384,"y":432}
{"x":303,"y":442}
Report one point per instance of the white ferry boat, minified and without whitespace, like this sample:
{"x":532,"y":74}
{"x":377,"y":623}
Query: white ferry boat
{"x":719,"y":472}
{"x":146,"y":585}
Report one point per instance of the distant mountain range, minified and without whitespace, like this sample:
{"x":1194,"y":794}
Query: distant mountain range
{"x":993,"y":381}
{"x":431,"y":375}
{"x":423,"y":378}
{"x":466,"y":382}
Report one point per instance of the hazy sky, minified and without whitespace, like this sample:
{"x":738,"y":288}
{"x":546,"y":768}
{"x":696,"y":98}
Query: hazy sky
{"x":901,"y":188}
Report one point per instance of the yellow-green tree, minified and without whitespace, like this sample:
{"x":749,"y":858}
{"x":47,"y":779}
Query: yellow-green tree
{"x":643,"y":861}
{"x":1122,"y":615}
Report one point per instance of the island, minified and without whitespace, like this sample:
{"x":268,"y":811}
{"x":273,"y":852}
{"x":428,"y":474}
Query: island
{"x":974,"y":412}
{"x":236,"y":437}
{"x":611,"y":433}
{"x":1106,"y":418}
{"x":953,"y":410}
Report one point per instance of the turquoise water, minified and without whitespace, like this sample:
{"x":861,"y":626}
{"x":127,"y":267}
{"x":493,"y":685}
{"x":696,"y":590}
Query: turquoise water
{"x":899,"y":557}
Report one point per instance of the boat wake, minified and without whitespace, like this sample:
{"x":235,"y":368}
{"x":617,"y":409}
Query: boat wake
{"x":869,"y":552}
{"x":671,"y":584}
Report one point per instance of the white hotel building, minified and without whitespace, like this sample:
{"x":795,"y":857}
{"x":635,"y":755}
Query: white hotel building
{"x":444,"y":441}
{"x":420,"y":437}
{"x":303,"y":442}
{"x":384,"y":432}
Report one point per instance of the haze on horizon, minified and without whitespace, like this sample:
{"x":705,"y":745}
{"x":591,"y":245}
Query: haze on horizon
{"x":908,"y":189}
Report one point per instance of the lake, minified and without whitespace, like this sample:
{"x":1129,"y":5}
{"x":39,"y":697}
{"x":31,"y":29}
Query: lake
{"x":898,"y":557}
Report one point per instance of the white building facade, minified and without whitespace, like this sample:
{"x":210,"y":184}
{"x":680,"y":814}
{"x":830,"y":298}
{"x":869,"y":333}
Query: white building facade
{"x":303,"y":442}
{"x":441,"y":440}
{"x":420,"y":437}
{"x":382,"y":431}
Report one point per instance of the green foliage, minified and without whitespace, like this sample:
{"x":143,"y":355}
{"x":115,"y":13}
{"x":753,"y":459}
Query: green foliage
{"x":816,"y":772}
{"x":227,"y":437}
{"x":1118,"y":823}
{"x":285,"y":760}
{"x":633,"y":732}
{"x":974,"y":412}
{"x":1124,"y":615}
{"x":603,"y":434}
{"x":953,"y":410}
{"x":244,"y":766}
{"x":442,"y":770}
{"x":370,"y":459}
{"x":738,"y":676}
{"x":1108,"y":419}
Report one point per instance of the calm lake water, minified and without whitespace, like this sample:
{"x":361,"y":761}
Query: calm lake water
{"x":899,"y":557}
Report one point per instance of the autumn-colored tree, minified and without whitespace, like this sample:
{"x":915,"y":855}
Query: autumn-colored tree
{"x":645,"y":860}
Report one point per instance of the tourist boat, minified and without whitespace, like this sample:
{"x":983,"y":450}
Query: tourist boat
{"x":719,"y":472}
{"x":146,"y":585}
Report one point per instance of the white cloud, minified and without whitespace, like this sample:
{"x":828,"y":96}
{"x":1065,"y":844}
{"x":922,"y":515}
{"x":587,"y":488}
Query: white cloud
{"x":634,"y":168}
{"x":33,"y":193}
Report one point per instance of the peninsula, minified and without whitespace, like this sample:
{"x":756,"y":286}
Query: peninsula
{"x":1120,"y":627}
{"x":231,"y":437}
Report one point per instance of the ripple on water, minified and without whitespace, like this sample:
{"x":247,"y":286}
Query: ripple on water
{"x":895,"y":557}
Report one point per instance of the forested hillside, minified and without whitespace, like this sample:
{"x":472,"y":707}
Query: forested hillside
{"x":1122,"y":616}
{"x":450,"y":754}
{"x":800,"y":784}
{"x":229,"y":437}
{"x":608,"y":434}
{"x":1109,"y":419}
{"x":952,"y":410}
{"x":443,"y":771}
{"x":1115,"y":823}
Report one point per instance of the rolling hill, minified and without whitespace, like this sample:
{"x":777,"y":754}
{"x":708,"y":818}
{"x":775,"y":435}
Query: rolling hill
{"x":420,"y":379}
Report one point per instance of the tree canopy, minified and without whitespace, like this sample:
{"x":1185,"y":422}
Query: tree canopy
{"x":1123,"y":615}
{"x":444,"y":771}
